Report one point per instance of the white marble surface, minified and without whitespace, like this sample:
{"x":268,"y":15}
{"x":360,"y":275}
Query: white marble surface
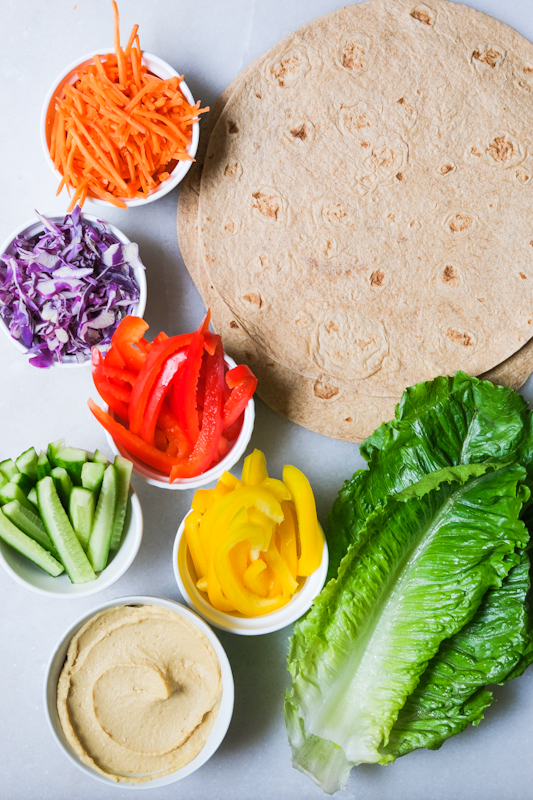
{"x":210,"y":41}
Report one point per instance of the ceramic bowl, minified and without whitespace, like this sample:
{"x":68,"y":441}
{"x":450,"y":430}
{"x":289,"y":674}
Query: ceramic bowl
{"x":157,"y":67}
{"x":32,"y":228}
{"x":235,"y":622}
{"x":33,"y":577}
{"x":156,"y":478}
{"x":218,"y":731}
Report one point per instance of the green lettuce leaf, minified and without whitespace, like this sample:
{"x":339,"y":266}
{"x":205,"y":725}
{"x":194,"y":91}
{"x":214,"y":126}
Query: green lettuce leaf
{"x":452,"y":691}
{"x":440,"y":423}
{"x":414,"y":576}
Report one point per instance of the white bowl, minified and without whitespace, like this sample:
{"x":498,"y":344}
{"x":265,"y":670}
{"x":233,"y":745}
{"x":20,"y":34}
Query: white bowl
{"x":36,"y":579}
{"x":156,"y":478}
{"x":157,"y":67}
{"x":186,"y":579}
{"x":218,"y":731}
{"x":33,"y":227}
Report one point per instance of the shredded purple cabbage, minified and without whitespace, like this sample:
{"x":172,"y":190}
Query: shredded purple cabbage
{"x":66,"y":289}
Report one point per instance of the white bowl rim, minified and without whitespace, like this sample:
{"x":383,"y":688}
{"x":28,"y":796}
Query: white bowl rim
{"x":224,"y":465}
{"x":225,"y":713}
{"x":179,"y":171}
{"x":251,"y":626}
{"x":140,"y":275}
{"x":93,"y":587}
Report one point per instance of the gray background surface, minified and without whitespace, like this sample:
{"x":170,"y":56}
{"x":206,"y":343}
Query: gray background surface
{"x":210,"y":41}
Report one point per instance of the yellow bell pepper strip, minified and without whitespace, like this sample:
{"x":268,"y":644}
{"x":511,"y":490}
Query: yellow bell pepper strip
{"x":202,"y":585}
{"x":239,"y":558}
{"x":280,"y":569}
{"x":229,"y":480}
{"x":254,"y":578}
{"x":288,"y":537}
{"x":192,"y":534}
{"x":245,"y":601}
{"x":254,"y":470}
{"x":277,"y":488}
{"x":201,"y":500}
{"x":309,"y":533}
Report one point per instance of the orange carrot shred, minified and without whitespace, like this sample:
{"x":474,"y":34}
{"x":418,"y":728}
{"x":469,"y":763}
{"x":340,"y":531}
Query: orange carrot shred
{"x":119,"y":131}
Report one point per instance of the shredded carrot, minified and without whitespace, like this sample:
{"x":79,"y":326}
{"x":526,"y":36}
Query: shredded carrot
{"x":119,"y":131}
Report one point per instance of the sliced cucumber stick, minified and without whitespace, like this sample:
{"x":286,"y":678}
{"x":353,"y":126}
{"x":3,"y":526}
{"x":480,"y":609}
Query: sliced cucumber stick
{"x":43,"y":466}
{"x":32,"y":497}
{"x":92,"y":476}
{"x":29,"y":523}
{"x":28,"y":547}
{"x":61,"y":533}
{"x":72,"y":459}
{"x":13,"y":492}
{"x":123,"y":468}
{"x":63,"y":484}
{"x":53,"y":450}
{"x":8,"y":468}
{"x":27,"y":464}
{"x":21,"y":480}
{"x":81,"y":512}
{"x":102,"y":531}
{"x":99,"y":458}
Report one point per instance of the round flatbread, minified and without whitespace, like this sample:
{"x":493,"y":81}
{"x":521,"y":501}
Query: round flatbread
{"x":365,"y":207}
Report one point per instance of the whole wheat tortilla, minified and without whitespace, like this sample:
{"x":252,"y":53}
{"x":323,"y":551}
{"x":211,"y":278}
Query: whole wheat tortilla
{"x":318,"y":406}
{"x":365,"y":207}
{"x":321,"y":407}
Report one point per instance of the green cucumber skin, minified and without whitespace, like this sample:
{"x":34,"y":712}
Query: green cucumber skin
{"x":92,"y":476}
{"x":26,"y":463}
{"x":13,"y":492}
{"x":53,"y":449}
{"x":102,"y":532}
{"x":61,"y":533}
{"x":43,"y":466}
{"x":23,"y":482}
{"x":3,"y":480}
{"x":28,"y":547}
{"x":8,"y":468}
{"x":124,"y":470}
{"x":63,"y":485}
{"x":72,"y":459}
{"x":81,"y":512}
{"x":30,"y":524}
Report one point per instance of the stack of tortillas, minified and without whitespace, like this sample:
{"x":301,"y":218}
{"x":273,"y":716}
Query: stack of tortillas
{"x":360,"y":216}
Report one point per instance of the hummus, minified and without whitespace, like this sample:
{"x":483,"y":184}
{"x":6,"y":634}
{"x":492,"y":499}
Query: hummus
{"x":139,"y":692}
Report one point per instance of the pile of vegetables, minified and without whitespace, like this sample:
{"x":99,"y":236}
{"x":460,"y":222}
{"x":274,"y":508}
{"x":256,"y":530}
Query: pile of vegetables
{"x":65,"y":289}
{"x":119,"y":131}
{"x":251,"y":539}
{"x":429,"y":599}
{"x":182,"y":406}
{"x":65,"y":509}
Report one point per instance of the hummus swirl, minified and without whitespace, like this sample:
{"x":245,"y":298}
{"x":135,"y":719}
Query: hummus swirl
{"x":139,"y":692}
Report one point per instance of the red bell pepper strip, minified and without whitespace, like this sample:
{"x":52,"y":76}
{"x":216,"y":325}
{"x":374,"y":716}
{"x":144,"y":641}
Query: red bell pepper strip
{"x":160,"y":338}
{"x":242,"y":382}
{"x":126,"y":339}
{"x":144,"y":452}
{"x":183,"y":400}
{"x":167,"y":373}
{"x":117,"y":374}
{"x":206,"y":447}
{"x":105,"y":389}
{"x":114,"y":359}
{"x":148,"y":376}
{"x":170,"y":425}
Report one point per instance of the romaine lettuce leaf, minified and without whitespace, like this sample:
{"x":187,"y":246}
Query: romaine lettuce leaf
{"x":415,"y":575}
{"x":452,"y":691}
{"x":440,"y":423}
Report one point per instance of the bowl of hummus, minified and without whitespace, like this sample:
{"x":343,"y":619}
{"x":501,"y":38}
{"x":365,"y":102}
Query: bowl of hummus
{"x":139,"y":692}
